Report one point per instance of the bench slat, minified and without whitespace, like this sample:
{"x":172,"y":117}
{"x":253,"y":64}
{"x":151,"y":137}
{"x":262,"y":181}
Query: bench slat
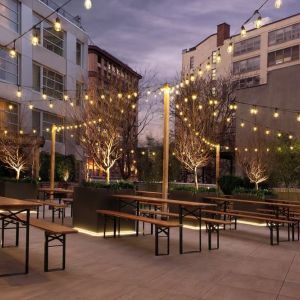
{"x":127,"y":216}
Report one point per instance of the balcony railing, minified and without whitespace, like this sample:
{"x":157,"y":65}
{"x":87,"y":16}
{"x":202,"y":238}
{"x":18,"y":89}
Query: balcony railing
{"x":74,"y":19}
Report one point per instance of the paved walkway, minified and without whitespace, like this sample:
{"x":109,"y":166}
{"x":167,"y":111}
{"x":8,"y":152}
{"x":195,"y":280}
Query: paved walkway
{"x":245,"y":267}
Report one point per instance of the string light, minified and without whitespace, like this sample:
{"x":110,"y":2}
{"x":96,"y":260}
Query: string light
{"x":230,"y":48}
{"x":267,"y":132}
{"x":86,"y":96}
{"x":200,"y":72}
{"x":243,"y":31}
{"x":208,"y":65}
{"x":44,"y":95}
{"x":19,"y":92}
{"x":218,"y":56}
{"x":298,"y":118}
{"x":57,"y":24}
{"x":258,"y":22}
{"x":50,"y":104}
{"x":254,"y":110}
{"x":255,"y":128}
{"x":88,"y":4}
{"x":35,"y":38}
{"x":242,"y":124}
{"x":291,"y":137}
{"x":279,"y":134}
{"x":12,"y":52}
{"x":276,"y":113}
{"x":278,"y":3}
{"x":30,"y":105}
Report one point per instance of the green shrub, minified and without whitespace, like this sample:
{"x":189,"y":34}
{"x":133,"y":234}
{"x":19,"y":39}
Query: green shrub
{"x":188,"y":188}
{"x":260,"y":194}
{"x":22,"y":180}
{"x":120,"y":185}
{"x":229,"y":183}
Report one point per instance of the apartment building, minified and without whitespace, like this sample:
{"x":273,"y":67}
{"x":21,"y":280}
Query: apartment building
{"x":38,"y":86}
{"x":266,"y":65}
{"x":110,"y":74}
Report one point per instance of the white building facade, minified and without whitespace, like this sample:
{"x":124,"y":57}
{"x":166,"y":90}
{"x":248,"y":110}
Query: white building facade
{"x":266,"y":65}
{"x":44,"y":74}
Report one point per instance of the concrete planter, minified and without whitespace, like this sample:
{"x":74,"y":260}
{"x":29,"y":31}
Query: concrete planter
{"x":88,"y":200}
{"x":18,"y":190}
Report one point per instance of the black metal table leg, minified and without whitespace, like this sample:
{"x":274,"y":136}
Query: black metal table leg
{"x":27,"y":241}
{"x":180,"y":230}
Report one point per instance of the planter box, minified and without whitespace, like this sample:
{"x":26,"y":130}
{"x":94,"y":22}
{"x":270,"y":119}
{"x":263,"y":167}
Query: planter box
{"x":18,"y":190}
{"x":88,"y":200}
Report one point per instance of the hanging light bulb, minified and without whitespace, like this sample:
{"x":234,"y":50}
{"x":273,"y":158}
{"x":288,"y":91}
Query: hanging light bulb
{"x":230,"y":48}
{"x":12,"y":52}
{"x":19,"y":92}
{"x":255,"y":128}
{"x":57,"y":24}
{"x":258,"y":22}
{"x":88,"y":4}
{"x":44,"y":95}
{"x":291,"y":136}
{"x":253,"y":110}
{"x":298,"y":118}
{"x":218,"y":56}
{"x":278,"y":3}
{"x":279,"y":134}
{"x":276,"y":113}
{"x":243,"y":31}
{"x":34,"y":38}
{"x":30,"y":106}
{"x":86,"y":96}
{"x":208,"y":65}
{"x":242,"y":124}
{"x":200,"y":72}
{"x":50,"y":104}
{"x":268,"y":131}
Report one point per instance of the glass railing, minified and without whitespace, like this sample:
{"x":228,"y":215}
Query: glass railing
{"x":74,"y":19}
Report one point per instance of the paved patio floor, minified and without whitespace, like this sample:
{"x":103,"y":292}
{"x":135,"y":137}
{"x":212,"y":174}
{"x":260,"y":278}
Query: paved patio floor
{"x":245,"y":267}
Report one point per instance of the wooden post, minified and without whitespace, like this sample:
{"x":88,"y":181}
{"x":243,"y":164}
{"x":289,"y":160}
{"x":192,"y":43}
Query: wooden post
{"x":52,"y":159}
{"x":165,"y":183}
{"x":217,"y":164}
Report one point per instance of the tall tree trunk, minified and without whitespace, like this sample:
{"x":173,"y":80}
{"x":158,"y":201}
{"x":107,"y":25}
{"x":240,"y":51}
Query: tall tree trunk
{"x":107,"y":175}
{"x":18,"y":172}
{"x":256,"y":186}
{"x":196,"y":177}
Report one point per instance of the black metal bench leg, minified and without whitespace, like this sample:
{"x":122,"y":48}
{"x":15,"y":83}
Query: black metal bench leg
{"x":115,"y":227}
{"x":53,"y":214}
{"x":2,"y":234}
{"x":104,"y":226}
{"x":46,"y":253}
{"x":209,"y":237}
{"x":17,"y":234}
{"x":64,"y":253}
{"x":156,"y":241}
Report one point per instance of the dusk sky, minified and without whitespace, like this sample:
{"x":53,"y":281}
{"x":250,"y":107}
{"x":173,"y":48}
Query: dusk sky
{"x":150,"y":34}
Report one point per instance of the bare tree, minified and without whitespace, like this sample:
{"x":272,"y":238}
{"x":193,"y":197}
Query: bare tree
{"x":16,"y":152}
{"x":256,"y":160}
{"x":204,"y":111}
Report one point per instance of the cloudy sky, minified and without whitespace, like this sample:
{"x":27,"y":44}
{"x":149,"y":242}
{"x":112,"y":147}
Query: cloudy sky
{"x":150,"y":34}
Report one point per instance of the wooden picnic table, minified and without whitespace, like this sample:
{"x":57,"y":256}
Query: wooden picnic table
{"x":12,"y":208}
{"x":55,"y":191}
{"x":185,"y":208}
{"x":149,"y":193}
{"x":278,"y":207}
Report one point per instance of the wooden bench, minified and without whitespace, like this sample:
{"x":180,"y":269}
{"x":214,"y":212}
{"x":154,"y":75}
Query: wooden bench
{"x":69,"y":202}
{"x":55,"y":207}
{"x":212,"y":225}
{"x":162,"y":228}
{"x":53,"y":232}
{"x":271,"y":221}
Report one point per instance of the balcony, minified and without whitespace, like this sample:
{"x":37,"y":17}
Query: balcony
{"x":73,"y":19}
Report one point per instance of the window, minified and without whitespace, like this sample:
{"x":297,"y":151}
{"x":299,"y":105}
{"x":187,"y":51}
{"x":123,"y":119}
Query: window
{"x":48,"y":81}
{"x":248,"y":82}
{"x":246,"y":65}
{"x":246,"y":46}
{"x":78,"y":53}
{"x":192,"y":62}
{"x":36,"y":121}
{"x":48,"y":37}
{"x":214,"y":57}
{"x":79,"y":92}
{"x":10,"y":14}
{"x":283,"y":56}
{"x":9,"y":116}
{"x":285,"y":34}
{"x":213,"y":74}
{"x":48,"y":121}
{"x":8,"y":67}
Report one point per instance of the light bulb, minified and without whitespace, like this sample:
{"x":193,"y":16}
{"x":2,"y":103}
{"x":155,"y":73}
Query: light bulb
{"x":30,"y":106}
{"x":88,"y":4}
{"x":57,"y":24}
{"x":298,"y":118}
{"x":276,"y":114}
{"x":218,"y":57}
{"x":50,"y":104}
{"x":208,"y":66}
{"x":243,"y":31}
{"x":19,"y":92}
{"x":278,"y":3}
{"x":200,"y":72}
{"x":267,"y":132}
{"x":34,"y":39}
{"x":86,"y":97}
{"x":258,"y":22}
{"x":230,"y":48}
{"x":12,"y":52}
